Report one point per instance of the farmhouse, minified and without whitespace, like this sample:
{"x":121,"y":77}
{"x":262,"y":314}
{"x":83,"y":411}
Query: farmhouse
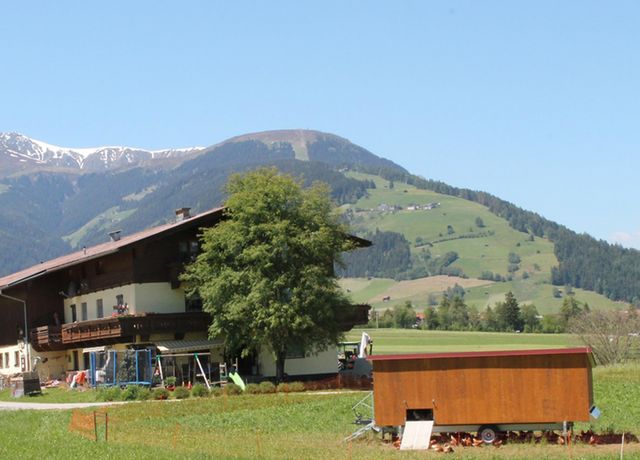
{"x":125,"y":294}
{"x":485,"y":391}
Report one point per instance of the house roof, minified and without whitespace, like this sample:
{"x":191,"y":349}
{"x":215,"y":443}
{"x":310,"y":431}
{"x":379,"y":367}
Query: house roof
{"x":482,"y":354}
{"x":111,"y":247}
{"x":101,"y":250}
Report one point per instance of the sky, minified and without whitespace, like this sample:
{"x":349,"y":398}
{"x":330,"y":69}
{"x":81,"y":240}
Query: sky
{"x":536,"y":102}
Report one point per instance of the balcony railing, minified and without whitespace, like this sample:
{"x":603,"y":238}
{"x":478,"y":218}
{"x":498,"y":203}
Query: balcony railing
{"x":115,"y":329}
{"x":124,"y":328}
{"x":47,"y":338}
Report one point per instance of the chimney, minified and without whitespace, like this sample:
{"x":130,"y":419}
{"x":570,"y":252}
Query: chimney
{"x":182,"y":214}
{"x":115,"y":235}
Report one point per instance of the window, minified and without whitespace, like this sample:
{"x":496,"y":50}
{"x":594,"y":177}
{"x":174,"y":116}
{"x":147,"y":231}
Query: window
{"x":6,"y":360}
{"x":75,"y":359}
{"x":120,"y":299}
{"x":74,"y":315}
{"x":99,"y":309}
{"x":1,"y":361}
{"x":83,"y":307}
{"x":16,"y":359}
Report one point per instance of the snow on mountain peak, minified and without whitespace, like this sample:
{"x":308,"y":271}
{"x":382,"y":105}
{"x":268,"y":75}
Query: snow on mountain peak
{"x":24,"y":148}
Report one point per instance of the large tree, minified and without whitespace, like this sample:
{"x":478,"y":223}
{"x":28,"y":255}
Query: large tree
{"x":265,"y":273}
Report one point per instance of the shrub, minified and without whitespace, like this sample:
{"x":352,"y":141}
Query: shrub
{"x":181,"y":393}
{"x":283,"y":388}
{"x":160,"y":393}
{"x":252,"y":389}
{"x":109,"y":394}
{"x":216,"y":391}
{"x":144,"y":394}
{"x":267,"y":387}
{"x":199,"y":391}
{"x":232,"y":389}
{"x":131,"y":393}
{"x":297,"y":387}
{"x":170,"y":381}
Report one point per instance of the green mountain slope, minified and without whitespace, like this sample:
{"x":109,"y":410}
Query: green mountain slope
{"x":452,"y":226}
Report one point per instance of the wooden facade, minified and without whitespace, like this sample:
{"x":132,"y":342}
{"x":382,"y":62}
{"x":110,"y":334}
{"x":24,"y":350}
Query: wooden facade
{"x":478,"y":388}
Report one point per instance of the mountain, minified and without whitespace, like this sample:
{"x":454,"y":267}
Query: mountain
{"x":19,"y":153}
{"x":56,"y":199}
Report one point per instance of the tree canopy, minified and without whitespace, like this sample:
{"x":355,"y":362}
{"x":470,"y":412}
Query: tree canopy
{"x":265,"y":273}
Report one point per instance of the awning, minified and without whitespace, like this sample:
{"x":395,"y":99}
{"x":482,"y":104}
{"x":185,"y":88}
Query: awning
{"x":182,"y":346}
{"x":92,"y":349}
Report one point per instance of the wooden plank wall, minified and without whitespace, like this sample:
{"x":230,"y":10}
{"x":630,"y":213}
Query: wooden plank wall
{"x":479,"y":390}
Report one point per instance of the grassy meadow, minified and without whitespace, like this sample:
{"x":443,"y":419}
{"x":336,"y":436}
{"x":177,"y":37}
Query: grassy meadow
{"x":386,"y":341}
{"x":485,"y":253}
{"x":276,"y":426}
{"x":295,"y":425}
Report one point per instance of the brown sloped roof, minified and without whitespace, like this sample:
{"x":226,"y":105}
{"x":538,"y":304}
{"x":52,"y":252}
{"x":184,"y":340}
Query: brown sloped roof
{"x":98,"y":251}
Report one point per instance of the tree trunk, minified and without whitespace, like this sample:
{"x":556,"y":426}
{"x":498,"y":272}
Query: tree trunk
{"x":281,"y":356}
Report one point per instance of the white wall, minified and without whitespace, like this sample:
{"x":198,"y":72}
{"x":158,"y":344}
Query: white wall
{"x":325,"y":362}
{"x":141,"y":298}
{"x":9,"y":365}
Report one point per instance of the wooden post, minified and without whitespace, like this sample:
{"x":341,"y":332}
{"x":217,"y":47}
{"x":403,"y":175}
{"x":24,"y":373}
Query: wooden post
{"x":106,"y":426}
{"x":95,"y":426}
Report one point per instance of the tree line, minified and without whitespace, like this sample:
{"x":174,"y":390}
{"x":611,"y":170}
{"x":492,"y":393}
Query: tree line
{"x":453,"y":314}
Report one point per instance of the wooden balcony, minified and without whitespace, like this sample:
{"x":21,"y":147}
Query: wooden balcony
{"x":115,"y":329}
{"x":47,"y":338}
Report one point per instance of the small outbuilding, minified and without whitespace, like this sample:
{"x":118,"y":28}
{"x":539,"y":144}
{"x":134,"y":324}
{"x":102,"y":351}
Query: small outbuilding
{"x":492,"y":390}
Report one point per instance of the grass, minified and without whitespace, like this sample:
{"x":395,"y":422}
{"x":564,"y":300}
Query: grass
{"x":53,"y":395}
{"x":300,"y":426}
{"x":277,"y":426}
{"x":386,"y":341}
{"x":487,"y":253}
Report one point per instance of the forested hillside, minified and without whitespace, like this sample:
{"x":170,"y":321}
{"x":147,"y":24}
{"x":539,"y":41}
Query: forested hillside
{"x":451,"y":231}
{"x":584,"y":262}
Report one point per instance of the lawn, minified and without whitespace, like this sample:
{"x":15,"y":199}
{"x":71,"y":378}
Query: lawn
{"x":387,"y":341}
{"x":279,"y":426}
{"x":296,"y":425}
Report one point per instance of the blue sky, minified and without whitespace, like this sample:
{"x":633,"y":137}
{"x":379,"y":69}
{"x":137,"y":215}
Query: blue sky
{"x":536,"y":102}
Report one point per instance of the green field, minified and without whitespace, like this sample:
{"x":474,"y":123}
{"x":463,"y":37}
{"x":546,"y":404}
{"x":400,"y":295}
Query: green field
{"x":387,"y":341}
{"x":486,"y":253}
{"x":278,"y":426}
{"x":296,"y":425}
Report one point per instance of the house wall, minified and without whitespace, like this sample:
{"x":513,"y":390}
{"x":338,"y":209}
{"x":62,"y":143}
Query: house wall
{"x":11,"y":365}
{"x":325,"y":362}
{"x":485,"y":390}
{"x":157,"y":298}
{"x":108,"y":297}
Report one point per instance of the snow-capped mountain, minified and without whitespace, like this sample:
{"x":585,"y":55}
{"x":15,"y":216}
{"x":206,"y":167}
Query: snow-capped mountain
{"x":21,"y":152}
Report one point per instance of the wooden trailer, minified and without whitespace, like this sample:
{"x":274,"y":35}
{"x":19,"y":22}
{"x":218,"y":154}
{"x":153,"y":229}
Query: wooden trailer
{"x":486,"y":391}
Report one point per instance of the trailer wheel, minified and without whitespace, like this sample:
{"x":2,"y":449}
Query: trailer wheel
{"x":488,"y":433}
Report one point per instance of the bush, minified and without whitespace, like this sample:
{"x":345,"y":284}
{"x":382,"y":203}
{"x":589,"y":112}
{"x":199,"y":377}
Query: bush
{"x":160,"y":393}
{"x":296,"y":387}
{"x":131,"y":393}
{"x":109,"y":394}
{"x":216,"y":391}
{"x":199,"y":391}
{"x":144,"y":394}
{"x":253,"y":389}
{"x":170,"y":381}
{"x":232,"y":389}
{"x":181,"y":393}
{"x":267,"y":387}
